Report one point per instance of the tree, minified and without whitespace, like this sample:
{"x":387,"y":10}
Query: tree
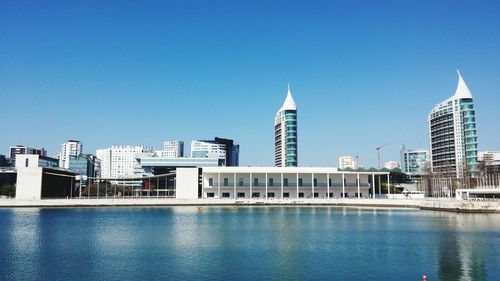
{"x":8,"y":189}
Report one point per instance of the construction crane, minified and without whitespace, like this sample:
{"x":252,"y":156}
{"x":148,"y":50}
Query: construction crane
{"x":378,"y":153}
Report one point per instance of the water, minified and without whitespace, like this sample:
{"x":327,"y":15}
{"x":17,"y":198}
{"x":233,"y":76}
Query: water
{"x":247,"y":243}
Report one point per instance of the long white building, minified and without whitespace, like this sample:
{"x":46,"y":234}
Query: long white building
{"x":288,"y":182}
{"x":69,"y":148}
{"x":453,"y":134}
{"x":285,"y":134}
{"x":119,"y":161}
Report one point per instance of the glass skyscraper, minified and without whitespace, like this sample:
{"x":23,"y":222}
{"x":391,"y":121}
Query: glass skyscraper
{"x":285,"y":134}
{"x":453,"y":134}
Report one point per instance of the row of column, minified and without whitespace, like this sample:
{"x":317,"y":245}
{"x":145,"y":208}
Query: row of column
{"x":312,"y":185}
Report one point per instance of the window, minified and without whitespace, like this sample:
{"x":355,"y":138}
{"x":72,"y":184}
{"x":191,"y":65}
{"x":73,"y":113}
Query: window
{"x":285,"y":182}
{"x":241,"y":194}
{"x":315,"y":182}
{"x":270,"y":194}
{"x":256,"y":182}
{"x":300,"y":181}
{"x":316,"y":195}
{"x":226,"y":181}
{"x":27,"y":162}
{"x":210,"y":182}
{"x":255,"y":195}
{"x":331,"y":195}
{"x":225,"y":195}
{"x":271,"y":182}
{"x":286,"y":195}
{"x":240,"y":182}
{"x":210,"y":195}
{"x":301,"y":194}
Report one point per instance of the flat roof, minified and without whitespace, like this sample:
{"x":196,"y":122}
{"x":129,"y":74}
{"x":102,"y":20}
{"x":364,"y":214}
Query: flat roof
{"x":277,"y":170}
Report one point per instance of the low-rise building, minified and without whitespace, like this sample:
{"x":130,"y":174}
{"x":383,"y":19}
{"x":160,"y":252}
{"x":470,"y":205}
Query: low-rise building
{"x":287,"y":182}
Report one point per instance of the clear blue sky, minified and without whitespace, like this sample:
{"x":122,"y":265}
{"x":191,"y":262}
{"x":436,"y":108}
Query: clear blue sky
{"x":363,"y":73}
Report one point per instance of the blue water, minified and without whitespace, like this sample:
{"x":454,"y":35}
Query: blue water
{"x":247,"y":243}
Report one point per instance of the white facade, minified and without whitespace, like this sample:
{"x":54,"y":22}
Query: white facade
{"x":172,"y":149}
{"x":69,"y":148}
{"x":287,"y":182}
{"x":391,"y":165}
{"x":285,"y":134}
{"x":489,"y":156}
{"x":200,"y":149}
{"x":350,"y":162}
{"x":119,"y":161}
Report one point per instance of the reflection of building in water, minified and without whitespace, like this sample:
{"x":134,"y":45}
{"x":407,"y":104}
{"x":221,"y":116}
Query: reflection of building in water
{"x":462,"y":252}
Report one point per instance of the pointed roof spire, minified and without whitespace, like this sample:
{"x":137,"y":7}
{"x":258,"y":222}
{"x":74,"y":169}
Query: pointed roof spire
{"x":462,"y":91}
{"x":289,"y":103}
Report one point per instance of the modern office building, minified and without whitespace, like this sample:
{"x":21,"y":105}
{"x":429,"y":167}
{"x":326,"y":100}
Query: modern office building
{"x":391,"y":165}
{"x":68,"y":149}
{"x":285,"y":134}
{"x":414,"y":161}
{"x":119,"y":161}
{"x":453,"y":134}
{"x":348,"y":162}
{"x":202,"y":149}
{"x":22,"y":150}
{"x":220,"y":148}
{"x":86,"y":165}
{"x":172,"y":149}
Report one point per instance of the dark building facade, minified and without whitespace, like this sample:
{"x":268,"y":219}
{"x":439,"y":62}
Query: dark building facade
{"x":232,"y":150}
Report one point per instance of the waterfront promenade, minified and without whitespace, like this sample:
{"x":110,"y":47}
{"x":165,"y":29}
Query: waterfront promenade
{"x":427,"y":204}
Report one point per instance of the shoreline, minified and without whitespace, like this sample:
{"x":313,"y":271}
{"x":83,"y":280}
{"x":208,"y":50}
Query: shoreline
{"x":422,"y":204}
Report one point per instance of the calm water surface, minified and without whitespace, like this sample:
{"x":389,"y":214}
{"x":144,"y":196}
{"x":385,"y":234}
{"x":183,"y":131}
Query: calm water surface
{"x":247,"y":243}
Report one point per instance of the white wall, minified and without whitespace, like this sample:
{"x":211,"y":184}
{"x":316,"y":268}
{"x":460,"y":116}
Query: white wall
{"x":186,"y":183}
{"x":29,"y":183}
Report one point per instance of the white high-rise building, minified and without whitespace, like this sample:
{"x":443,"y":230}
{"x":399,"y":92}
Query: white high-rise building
{"x":172,"y":149}
{"x":391,"y":165}
{"x":119,"y":161}
{"x":201,"y":149}
{"x":285,"y":134}
{"x":348,"y":162}
{"x":453,"y":134}
{"x":69,"y":148}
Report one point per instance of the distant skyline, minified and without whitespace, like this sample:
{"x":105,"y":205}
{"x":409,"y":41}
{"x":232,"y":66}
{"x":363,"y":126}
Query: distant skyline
{"x":362,"y":73}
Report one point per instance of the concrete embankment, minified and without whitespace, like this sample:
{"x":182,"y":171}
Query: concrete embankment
{"x":206,"y":202}
{"x":425,"y":204}
{"x":461,"y":206}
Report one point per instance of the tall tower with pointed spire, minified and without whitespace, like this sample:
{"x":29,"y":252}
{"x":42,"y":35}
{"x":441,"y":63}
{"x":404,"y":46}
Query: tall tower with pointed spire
{"x":453,"y":134}
{"x":285,"y":133}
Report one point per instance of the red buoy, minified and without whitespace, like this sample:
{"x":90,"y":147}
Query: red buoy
{"x":424,"y":278}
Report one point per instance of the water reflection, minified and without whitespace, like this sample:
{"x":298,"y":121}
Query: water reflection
{"x":272,"y":243}
{"x":462,"y":249}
